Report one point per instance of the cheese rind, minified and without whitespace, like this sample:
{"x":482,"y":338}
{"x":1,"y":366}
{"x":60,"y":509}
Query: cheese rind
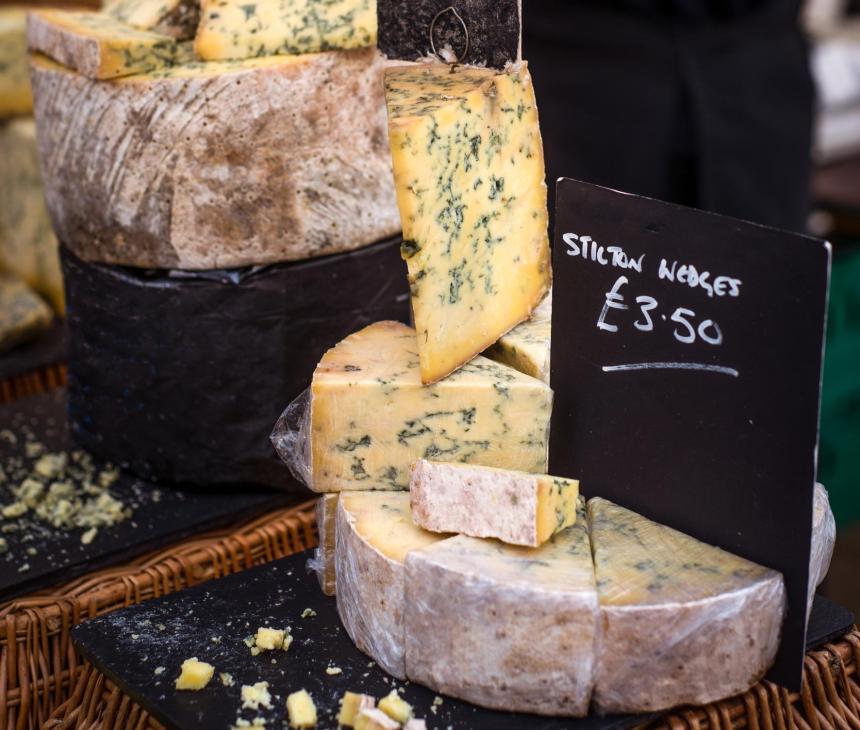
{"x":375,"y":719}
{"x":371,"y":417}
{"x":374,"y":534}
{"x":527,"y":346}
{"x":683,"y":622}
{"x":505,"y":627}
{"x":96,"y":45}
{"x":156,"y":171}
{"x":235,"y":29}
{"x":22,"y":313}
{"x":28,"y":246}
{"x":15,"y":95}
{"x":175,"y":18}
{"x":515,"y":507}
{"x":351,"y":704}
{"x":326,"y":514}
{"x":469,"y":173}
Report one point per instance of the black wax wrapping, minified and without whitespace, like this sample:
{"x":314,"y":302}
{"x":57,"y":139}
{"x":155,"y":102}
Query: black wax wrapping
{"x":180,"y":376}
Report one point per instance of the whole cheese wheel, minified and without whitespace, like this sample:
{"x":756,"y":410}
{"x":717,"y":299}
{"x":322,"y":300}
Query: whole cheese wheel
{"x":218,"y":165}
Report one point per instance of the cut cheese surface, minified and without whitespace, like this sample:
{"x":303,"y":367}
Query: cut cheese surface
{"x":469,"y":174}
{"x":28,"y":246}
{"x":371,"y":417}
{"x":505,"y":627}
{"x":239,"y":29}
{"x":14,"y":77}
{"x":326,"y":514}
{"x":374,"y":535}
{"x":22,"y":313}
{"x":187,"y":190}
{"x":527,"y":346}
{"x":683,"y":622}
{"x":515,"y":507}
{"x":97,"y":45}
{"x":175,"y":18}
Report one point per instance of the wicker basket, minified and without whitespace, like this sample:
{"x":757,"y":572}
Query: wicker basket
{"x":32,"y":383}
{"x":42,"y":675}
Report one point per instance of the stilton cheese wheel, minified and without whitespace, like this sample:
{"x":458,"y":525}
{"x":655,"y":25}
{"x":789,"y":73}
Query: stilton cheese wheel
{"x":97,"y":45}
{"x":469,"y":172}
{"x":515,"y":507}
{"x":14,"y":82}
{"x":326,"y":514}
{"x":175,"y":18}
{"x":683,"y":622}
{"x":371,"y":417}
{"x":180,"y":376}
{"x":527,"y":346}
{"x":23,"y":314}
{"x":374,"y":534}
{"x":505,"y":627}
{"x":234,"y":29}
{"x":28,"y":247}
{"x":218,"y":165}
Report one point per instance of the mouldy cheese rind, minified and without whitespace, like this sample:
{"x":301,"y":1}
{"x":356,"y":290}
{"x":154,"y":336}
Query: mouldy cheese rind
{"x":504,"y":627}
{"x":28,"y":247}
{"x":374,"y":534}
{"x":515,"y":507}
{"x":236,"y":29}
{"x":219,"y":165}
{"x":326,"y":514}
{"x":175,"y":18}
{"x":181,"y":375}
{"x":97,"y":45}
{"x":469,"y":172}
{"x":371,"y":418}
{"x":527,"y":346}
{"x":14,"y":82}
{"x":682,"y":622}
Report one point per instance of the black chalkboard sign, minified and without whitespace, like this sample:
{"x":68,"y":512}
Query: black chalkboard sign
{"x":476,"y":32}
{"x":686,"y":364}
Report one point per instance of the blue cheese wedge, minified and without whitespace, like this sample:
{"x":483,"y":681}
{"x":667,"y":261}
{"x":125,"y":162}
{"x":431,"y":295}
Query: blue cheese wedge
{"x":14,"y":77}
{"x":683,"y":622}
{"x":371,"y":417}
{"x":515,"y":507}
{"x":23,"y":314}
{"x":188,"y":190}
{"x":527,"y":346}
{"x":375,"y":533}
{"x":175,"y":18}
{"x":505,"y":627}
{"x":234,"y":29}
{"x":96,"y":45}
{"x":28,"y":246}
{"x":469,"y":172}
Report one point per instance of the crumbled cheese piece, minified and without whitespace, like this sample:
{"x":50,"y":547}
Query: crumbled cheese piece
{"x":351,"y":704}
{"x":256,"y":695}
{"x":194,"y":675}
{"x":89,"y":535}
{"x":301,"y":710}
{"x":332,"y":671}
{"x":226,"y":679}
{"x":396,"y":707}
{"x":375,"y":720}
{"x":268,"y":639}
{"x":158,"y":671}
{"x":308,"y":613}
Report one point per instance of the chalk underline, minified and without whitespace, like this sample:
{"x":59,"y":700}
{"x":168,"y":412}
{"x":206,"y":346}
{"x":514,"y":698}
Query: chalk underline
{"x":672,"y":366}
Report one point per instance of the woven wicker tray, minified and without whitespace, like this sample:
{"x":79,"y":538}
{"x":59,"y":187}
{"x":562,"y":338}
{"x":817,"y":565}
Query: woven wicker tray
{"x":32,"y":383}
{"x":42,"y":675}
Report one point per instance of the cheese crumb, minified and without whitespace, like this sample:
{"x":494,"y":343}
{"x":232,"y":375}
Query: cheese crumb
{"x":226,"y":679}
{"x":308,"y":613}
{"x":331,"y":671}
{"x":89,"y":535}
{"x":256,"y":695}
{"x":301,"y":710}
{"x":268,"y":639}
{"x":158,"y":670}
{"x":194,"y":675}
{"x":396,"y":707}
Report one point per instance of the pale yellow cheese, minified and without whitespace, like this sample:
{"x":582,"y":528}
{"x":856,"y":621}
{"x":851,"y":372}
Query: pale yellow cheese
{"x":375,"y":719}
{"x":97,"y":45}
{"x":14,"y":78}
{"x":301,"y":710}
{"x":351,"y":704}
{"x":469,"y":173}
{"x":175,"y":18}
{"x":241,"y":29}
{"x":28,"y":246}
{"x":371,"y":417}
{"x":194,"y":675}
{"x":396,"y":707}
{"x":527,"y":346}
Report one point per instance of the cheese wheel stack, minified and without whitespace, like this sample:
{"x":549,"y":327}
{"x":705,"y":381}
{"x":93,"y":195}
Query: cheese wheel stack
{"x":225,"y":175}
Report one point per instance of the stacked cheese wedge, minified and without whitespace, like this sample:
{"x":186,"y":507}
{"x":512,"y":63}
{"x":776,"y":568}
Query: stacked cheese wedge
{"x":220,"y":168}
{"x":28,"y":249}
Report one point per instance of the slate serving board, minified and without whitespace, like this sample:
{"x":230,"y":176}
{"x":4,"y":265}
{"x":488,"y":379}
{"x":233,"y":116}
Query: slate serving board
{"x":49,"y":348}
{"x":211,"y":621}
{"x":162,"y":514}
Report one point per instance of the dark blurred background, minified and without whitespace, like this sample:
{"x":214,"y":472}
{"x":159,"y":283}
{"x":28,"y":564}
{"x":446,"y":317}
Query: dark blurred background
{"x":750,"y":108}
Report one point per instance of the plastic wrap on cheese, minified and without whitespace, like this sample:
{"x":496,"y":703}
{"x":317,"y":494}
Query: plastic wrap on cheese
{"x":823,"y":539}
{"x":291,"y":437}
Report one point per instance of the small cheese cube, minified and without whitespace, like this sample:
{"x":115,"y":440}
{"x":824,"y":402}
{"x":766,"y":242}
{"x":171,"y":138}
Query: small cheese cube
{"x":14,"y":77}
{"x":515,"y":507}
{"x":194,"y":675}
{"x":375,"y":720}
{"x":96,"y":45}
{"x":396,"y":707}
{"x":351,"y":704}
{"x":301,"y":710}
{"x":256,"y":695}
{"x":267,"y":639}
{"x":469,"y":172}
